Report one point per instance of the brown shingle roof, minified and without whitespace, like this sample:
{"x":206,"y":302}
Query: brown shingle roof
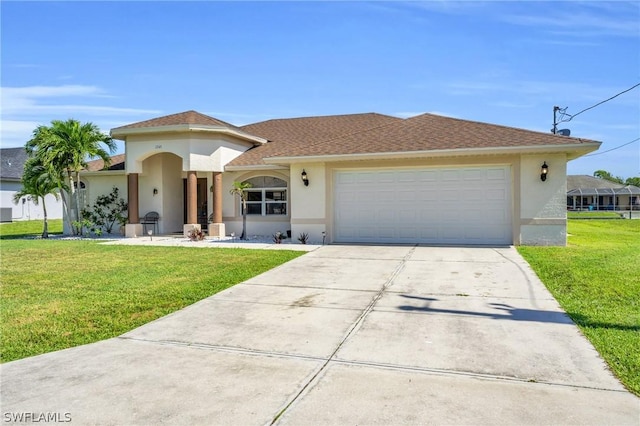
{"x":365,"y":134}
{"x":117,"y":163}
{"x":187,"y":117}
{"x":428,"y":132}
{"x":289,"y":136}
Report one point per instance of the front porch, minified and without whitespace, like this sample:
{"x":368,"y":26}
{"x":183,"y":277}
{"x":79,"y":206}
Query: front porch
{"x":178,"y":211}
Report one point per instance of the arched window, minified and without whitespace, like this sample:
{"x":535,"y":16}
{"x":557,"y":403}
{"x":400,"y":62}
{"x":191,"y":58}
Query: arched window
{"x":267,"y":196}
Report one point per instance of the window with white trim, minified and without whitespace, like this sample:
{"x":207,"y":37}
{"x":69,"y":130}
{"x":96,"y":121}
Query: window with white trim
{"x":267,"y":196}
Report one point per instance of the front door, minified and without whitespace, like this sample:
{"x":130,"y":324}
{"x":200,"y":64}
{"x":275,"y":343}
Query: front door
{"x":202,"y":201}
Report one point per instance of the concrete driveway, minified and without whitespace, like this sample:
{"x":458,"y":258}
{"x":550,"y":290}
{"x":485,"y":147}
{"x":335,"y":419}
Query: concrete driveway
{"x":342,"y":335}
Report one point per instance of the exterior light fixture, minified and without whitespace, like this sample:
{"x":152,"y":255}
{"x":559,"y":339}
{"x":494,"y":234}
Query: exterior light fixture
{"x":150,"y":232}
{"x":155,"y":191}
{"x":305,"y":179}
{"x":544,"y":171}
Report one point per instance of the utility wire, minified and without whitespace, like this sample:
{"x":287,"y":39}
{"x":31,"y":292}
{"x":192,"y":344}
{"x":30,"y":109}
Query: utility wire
{"x":599,"y":103}
{"x":613,"y":149}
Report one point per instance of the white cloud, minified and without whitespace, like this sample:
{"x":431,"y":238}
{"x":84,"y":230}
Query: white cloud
{"x":24,"y":108}
{"x":582,"y":20}
{"x":407,"y":114}
{"x":578,"y":93}
{"x":15,"y":133}
{"x":443,"y":114}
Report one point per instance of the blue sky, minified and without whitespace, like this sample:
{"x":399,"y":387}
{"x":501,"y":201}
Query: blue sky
{"x":508,"y":63}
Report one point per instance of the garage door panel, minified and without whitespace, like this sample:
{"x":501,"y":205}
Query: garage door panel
{"x":427,"y":176}
{"x":445,"y":206}
{"x":386,"y":195}
{"x":406,"y":195}
{"x":496,"y":194}
{"x":496,"y":174}
{"x":385,"y":216}
{"x":429,"y":195}
{"x":407,"y":216}
{"x":473,"y":175}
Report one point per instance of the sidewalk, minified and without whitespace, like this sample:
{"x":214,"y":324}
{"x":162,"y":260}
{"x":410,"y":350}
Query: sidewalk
{"x":214,"y":242}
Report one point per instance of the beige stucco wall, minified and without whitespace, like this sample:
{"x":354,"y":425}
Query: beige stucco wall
{"x":543,"y":204}
{"x":102,"y":184}
{"x":172,"y":211}
{"x":164,"y":173}
{"x":309,"y":208}
{"x":199,"y":151}
{"x":538,"y":208}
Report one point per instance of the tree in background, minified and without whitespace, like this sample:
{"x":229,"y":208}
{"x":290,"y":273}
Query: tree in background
{"x":63,"y":149}
{"x":37,"y":183}
{"x":603,"y":174}
{"x":635,"y":181}
{"x":240,"y":189}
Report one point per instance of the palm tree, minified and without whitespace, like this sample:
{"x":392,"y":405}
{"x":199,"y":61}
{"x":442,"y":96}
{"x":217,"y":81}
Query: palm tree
{"x":240,"y":189}
{"x":37,"y":183}
{"x":603,"y":174}
{"x":65,"y":147}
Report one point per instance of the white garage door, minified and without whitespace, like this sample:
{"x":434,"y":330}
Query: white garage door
{"x":433,"y":206}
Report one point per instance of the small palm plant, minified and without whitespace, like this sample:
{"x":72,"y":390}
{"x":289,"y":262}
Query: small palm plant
{"x":37,"y":183}
{"x":240,"y":189}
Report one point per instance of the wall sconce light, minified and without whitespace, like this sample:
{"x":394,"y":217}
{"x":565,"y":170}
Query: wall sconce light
{"x":155,"y":191}
{"x":305,"y":179}
{"x":544,"y":171}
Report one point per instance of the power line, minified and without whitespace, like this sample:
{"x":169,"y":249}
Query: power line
{"x":613,"y":149}
{"x":599,"y":103}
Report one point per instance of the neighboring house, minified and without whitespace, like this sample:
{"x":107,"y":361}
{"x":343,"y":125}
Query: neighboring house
{"x":12,"y":162}
{"x":590,"y":193}
{"x":360,"y":178}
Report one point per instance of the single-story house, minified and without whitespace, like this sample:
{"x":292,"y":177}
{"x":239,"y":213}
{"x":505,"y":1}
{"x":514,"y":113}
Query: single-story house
{"x":358,"y":178}
{"x":12,"y":162}
{"x":591,"y":193}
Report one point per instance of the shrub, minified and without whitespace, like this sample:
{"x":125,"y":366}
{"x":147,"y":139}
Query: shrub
{"x":196,"y":234}
{"x":106,"y":212}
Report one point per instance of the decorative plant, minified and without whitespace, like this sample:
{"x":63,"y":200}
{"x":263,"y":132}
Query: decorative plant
{"x":303,"y":238}
{"x":106,"y":212}
{"x":80,"y":226}
{"x":278,"y":237}
{"x":240,"y":189}
{"x":196,"y":234}
{"x":64,"y":148}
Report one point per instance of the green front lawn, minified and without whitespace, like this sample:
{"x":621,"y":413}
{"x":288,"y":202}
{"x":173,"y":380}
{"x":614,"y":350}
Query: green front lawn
{"x":29,"y":228}
{"x":59,"y":294}
{"x":593,"y":215}
{"x":596,"y":279}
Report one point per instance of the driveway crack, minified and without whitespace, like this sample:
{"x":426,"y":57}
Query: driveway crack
{"x":356,"y":324}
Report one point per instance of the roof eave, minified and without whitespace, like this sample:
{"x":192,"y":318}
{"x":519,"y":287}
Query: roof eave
{"x":573,"y":151}
{"x":122,"y":133}
{"x":103,"y":172}
{"x":254,"y":167}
